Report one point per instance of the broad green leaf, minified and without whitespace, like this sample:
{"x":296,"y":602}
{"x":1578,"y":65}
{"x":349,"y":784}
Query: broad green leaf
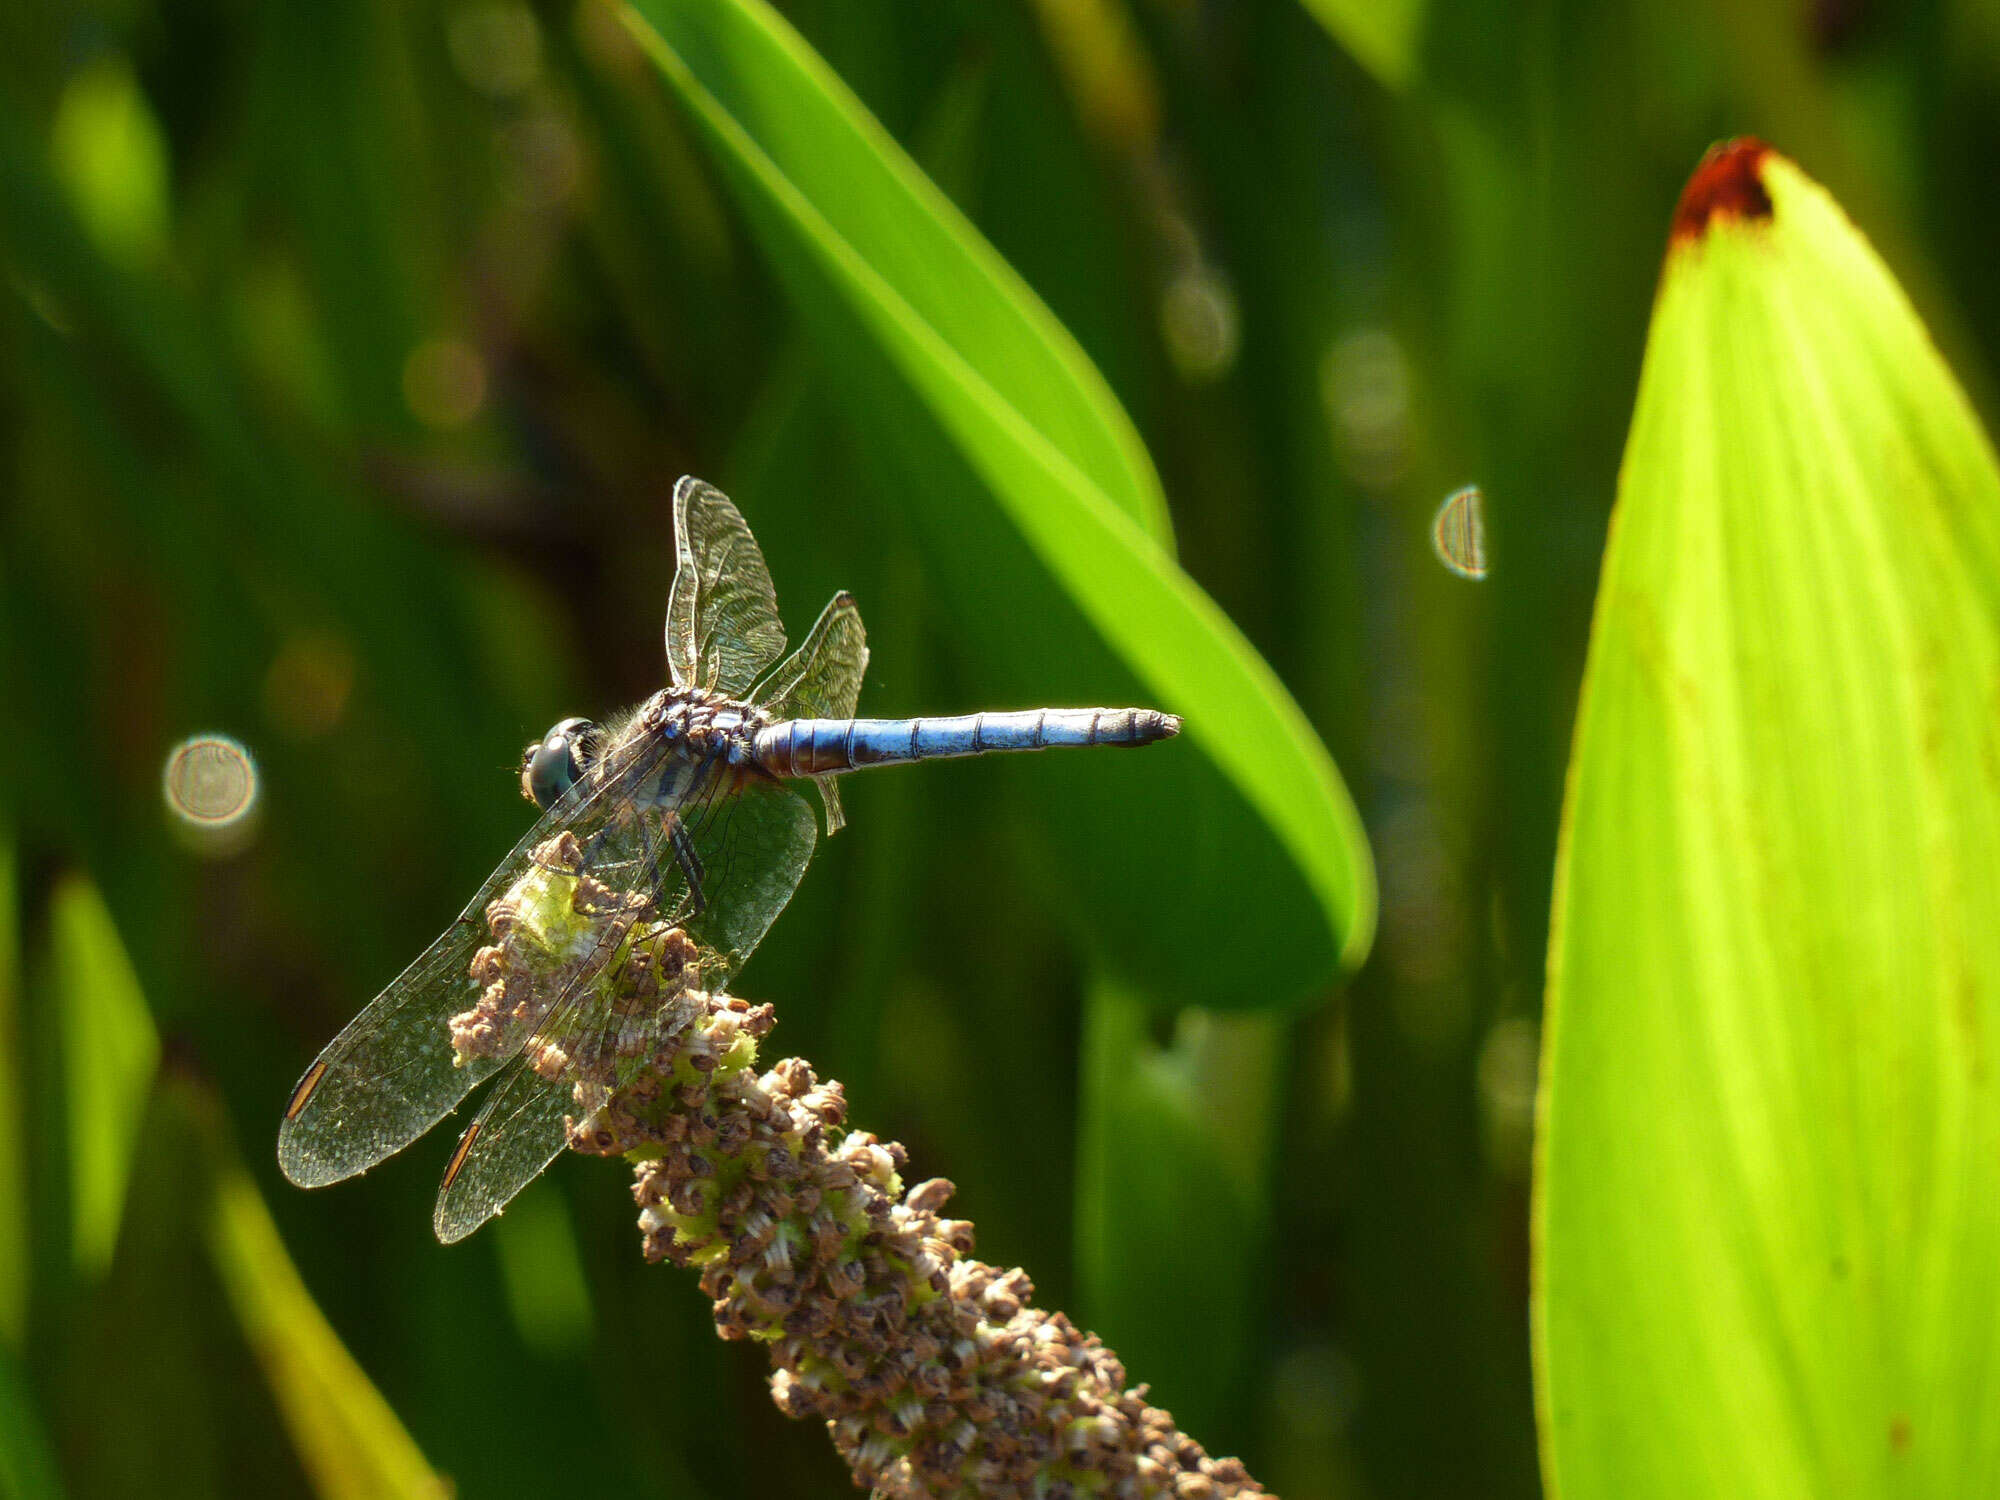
{"x":348,"y":1438}
{"x":110,"y":1050}
{"x":767,"y":98}
{"x":1767,"y":1225}
{"x":1041,"y":515}
{"x":1382,"y":35}
{"x":14,"y":1258}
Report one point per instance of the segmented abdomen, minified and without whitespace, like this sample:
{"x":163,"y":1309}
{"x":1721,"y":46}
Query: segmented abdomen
{"x":820,"y":747}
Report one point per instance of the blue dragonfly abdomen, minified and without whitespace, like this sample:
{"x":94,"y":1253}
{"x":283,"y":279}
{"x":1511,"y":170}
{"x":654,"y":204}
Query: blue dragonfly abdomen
{"x":827,"y":747}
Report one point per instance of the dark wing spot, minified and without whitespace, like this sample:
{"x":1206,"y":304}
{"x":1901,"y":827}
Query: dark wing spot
{"x":1729,"y":182}
{"x":458,"y":1157}
{"x":305,"y":1089}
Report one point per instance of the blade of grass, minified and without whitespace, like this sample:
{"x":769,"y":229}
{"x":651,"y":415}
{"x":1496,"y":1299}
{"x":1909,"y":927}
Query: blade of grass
{"x":764,"y":96}
{"x":347,"y":1436}
{"x":1766,"y":1233}
{"x":15,"y":1264}
{"x":110,"y":1050}
{"x":27,"y":1461}
{"x":1382,"y":35}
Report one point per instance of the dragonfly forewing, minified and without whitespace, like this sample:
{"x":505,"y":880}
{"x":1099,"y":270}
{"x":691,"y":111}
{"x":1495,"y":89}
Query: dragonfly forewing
{"x":750,"y":840}
{"x":723,"y":628}
{"x":567,"y":1072}
{"x":395,"y":1070}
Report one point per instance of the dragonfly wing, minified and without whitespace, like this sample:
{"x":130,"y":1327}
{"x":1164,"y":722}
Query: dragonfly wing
{"x":822,"y":680}
{"x":723,"y":628}
{"x":744,"y":838}
{"x":520,"y":1131}
{"x":829,"y":796}
{"x":753,"y":846}
{"x":394,"y":1072}
{"x":750,"y":846}
{"x":608,"y":1024}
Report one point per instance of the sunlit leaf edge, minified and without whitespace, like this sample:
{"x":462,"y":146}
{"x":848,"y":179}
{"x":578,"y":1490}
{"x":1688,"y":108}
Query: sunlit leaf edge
{"x":1127,"y":476}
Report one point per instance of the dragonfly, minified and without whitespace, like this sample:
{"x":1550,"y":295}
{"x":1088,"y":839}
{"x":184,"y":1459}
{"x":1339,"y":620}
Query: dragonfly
{"x":676,"y":832}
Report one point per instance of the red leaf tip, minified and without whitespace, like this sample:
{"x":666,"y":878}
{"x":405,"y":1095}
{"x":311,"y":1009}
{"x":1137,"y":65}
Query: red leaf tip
{"x":1729,"y":182}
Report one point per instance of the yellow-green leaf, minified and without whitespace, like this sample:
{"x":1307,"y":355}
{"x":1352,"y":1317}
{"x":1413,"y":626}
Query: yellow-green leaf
{"x":1768,"y":1217}
{"x":349,"y":1440}
{"x":112,"y":157}
{"x":110,"y":1049}
{"x":1381,"y":35}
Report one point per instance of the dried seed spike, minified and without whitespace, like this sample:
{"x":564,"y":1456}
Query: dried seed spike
{"x":933,"y":1372}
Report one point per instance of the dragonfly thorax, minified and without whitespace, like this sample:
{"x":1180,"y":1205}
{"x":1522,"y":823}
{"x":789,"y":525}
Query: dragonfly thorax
{"x":704,"y":724}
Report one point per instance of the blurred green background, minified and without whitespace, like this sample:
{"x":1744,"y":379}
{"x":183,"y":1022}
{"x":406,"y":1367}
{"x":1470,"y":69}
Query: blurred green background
{"x":350,"y":355}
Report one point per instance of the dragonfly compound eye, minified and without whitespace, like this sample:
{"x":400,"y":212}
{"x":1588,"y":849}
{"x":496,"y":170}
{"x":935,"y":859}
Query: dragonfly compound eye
{"x":556,"y":764}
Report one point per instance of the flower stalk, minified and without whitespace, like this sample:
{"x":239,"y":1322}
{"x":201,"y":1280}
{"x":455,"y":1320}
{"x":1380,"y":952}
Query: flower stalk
{"x":934,"y":1373}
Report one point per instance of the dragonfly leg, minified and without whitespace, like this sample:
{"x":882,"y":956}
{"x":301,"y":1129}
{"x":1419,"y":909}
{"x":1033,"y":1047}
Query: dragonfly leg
{"x":689,"y":860}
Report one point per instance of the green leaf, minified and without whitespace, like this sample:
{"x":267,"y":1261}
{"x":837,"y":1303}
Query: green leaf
{"x":110,"y":1050}
{"x":769,"y":101}
{"x":347,"y":1436}
{"x":147,"y":1354}
{"x":541,"y":1271}
{"x":1172,"y":1201}
{"x":1382,"y":35}
{"x":1109,"y":78}
{"x":112,"y":158}
{"x":1042,"y":516}
{"x":27,"y":1461}
{"x":14,"y":1254}
{"x":1767,"y":1226}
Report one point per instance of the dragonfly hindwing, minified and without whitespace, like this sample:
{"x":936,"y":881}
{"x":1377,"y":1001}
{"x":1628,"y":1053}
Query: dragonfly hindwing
{"x":723,"y":628}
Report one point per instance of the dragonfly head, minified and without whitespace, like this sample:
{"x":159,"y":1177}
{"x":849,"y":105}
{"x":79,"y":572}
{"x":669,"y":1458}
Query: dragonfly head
{"x":555,"y":763}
